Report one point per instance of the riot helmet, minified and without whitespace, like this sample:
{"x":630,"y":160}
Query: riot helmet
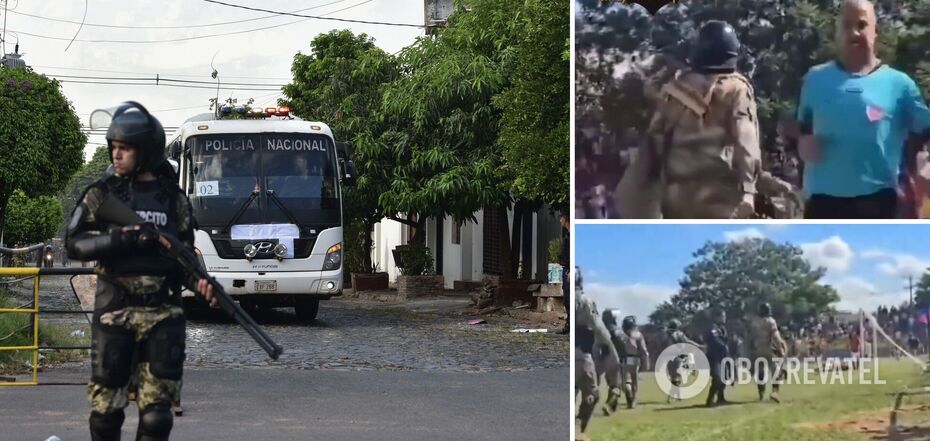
{"x":134,"y":125}
{"x":629,"y":322}
{"x":674,"y":325}
{"x":765,"y":310}
{"x":716,"y":49}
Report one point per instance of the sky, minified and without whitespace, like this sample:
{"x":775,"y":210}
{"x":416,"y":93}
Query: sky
{"x":637,"y":267}
{"x":263,"y":56}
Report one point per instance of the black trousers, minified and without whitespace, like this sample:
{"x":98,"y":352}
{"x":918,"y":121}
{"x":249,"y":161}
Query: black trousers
{"x":880,"y":205}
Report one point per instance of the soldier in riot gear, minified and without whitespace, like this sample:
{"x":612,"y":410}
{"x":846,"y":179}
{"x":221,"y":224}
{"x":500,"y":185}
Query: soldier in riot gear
{"x":634,"y":356}
{"x":137,"y":312}
{"x":591,"y":339}
{"x":768,"y":345}
{"x":717,"y":350}
{"x":676,"y":336}
{"x":702,"y":157}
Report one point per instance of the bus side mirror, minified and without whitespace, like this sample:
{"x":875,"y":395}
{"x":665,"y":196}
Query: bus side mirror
{"x":343,"y":150}
{"x":174,"y":150}
{"x":348,"y":173}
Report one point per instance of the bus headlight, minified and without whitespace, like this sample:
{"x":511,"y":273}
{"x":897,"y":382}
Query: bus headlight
{"x":333,"y":257}
{"x":280,"y":250}
{"x":250,"y":251}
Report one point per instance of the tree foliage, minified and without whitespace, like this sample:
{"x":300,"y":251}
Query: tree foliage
{"x":89,"y":172}
{"x":41,"y":144}
{"x":31,"y":220}
{"x":340,"y":82}
{"x":472,"y":117}
{"x":739,"y":276}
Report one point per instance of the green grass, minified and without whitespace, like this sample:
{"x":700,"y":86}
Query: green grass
{"x":802,"y":405}
{"x":16,"y":330}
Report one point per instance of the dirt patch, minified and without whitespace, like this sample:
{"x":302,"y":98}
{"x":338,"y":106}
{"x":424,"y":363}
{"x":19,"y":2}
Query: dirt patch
{"x":913,"y":424}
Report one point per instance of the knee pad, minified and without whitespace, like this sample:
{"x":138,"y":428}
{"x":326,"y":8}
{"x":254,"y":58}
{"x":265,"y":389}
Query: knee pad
{"x":106,"y":426}
{"x":155,"y":423}
{"x":111,"y":356}
{"x":165,"y":349}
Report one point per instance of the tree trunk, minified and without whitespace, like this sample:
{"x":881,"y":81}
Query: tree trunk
{"x":368,"y":245}
{"x":516,"y":236}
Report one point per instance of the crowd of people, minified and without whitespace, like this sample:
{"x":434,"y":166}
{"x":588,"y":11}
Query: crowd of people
{"x":855,"y":148}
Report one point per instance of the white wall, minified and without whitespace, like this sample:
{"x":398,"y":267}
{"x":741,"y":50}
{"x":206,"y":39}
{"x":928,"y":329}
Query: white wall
{"x":386,"y":235}
{"x":452,"y":254}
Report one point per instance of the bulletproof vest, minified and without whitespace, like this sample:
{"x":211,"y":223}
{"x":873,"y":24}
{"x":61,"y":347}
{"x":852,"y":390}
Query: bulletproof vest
{"x":697,"y":143}
{"x":626,"y":342}
{"x":154,"y":203}
{"x":584,"y":339}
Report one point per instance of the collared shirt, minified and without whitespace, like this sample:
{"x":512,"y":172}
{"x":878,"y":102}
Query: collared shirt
{"x":861,"y":123}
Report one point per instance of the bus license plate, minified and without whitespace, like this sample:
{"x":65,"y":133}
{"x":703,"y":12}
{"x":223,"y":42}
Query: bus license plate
{"x":266,"y":285}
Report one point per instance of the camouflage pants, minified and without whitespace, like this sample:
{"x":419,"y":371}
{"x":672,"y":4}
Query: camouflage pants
{"x":152,"y":390}
{"x":586,"y":383}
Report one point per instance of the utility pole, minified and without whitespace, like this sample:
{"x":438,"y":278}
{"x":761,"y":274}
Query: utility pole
{"x":910,"y":289}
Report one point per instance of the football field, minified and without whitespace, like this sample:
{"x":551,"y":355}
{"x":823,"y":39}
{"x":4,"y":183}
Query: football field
{"x":806,"y":413}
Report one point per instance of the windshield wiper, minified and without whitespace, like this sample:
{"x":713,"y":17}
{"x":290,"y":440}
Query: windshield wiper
{"x":242,"y":209}
{"x":280,"y":205}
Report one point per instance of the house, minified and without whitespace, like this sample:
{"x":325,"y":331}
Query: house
{"x":469,"y":251}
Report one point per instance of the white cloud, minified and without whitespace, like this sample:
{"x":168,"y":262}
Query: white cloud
{"x":637,"y":299}
{"x":776,"y":227}
{"x":741,"y":235}
{"x":874,"y":254}
{"x":904,"y":265}
{"x":834,"y":254}
{"x":265,"y":56}
{"x":857,"y":293}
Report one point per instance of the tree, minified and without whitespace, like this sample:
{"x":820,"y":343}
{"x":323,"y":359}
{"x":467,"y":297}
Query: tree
{"x":535,"y":108}
{"x":922,"y":291}
{"x":739,"y":276}
{"x":89,"y":172}
{"x":340,"y":82}
{"x":41,"y":144}
{"x":31,"y":220}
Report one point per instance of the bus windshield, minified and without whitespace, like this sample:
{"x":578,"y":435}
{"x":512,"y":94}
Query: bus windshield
{"x":299,"y":168}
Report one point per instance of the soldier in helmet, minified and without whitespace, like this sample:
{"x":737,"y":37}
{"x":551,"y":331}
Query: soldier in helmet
{"x":614,"y":373}
{"x":634,"y":356}
{"x":677,"y":336}
{"x":591,"y":340}
{"x":702,"y":157}
{"x":767,"y":344}
{"x":138,"y":324}
{"x":717,"y":350}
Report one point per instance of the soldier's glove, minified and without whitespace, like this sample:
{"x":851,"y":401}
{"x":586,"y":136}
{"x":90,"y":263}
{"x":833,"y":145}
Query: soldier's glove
{"x":143,"y":238}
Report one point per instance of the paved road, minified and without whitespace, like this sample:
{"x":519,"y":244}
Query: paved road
{"x":362,"y":371}
{"x":281,"y":404}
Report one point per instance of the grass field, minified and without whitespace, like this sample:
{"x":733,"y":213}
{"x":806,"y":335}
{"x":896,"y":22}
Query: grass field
{"x":806,"y":413}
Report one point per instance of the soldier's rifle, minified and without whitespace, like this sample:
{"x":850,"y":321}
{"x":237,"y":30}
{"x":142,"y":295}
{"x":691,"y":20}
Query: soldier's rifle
{"x":113,"y":210}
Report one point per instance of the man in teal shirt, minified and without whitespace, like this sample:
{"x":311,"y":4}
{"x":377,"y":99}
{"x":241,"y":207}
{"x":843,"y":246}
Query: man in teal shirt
{"x":855,"y":115}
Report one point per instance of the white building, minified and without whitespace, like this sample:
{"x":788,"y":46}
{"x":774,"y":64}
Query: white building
{"x":468,"y":252}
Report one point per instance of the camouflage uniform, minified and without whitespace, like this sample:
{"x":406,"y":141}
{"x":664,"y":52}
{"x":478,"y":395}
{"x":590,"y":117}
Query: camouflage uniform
{"x":137,"y":314}
{"x":766,"y":343}
{"x":591,"y":339}
{"x":702,"y":157}
{"x":633,"y":356}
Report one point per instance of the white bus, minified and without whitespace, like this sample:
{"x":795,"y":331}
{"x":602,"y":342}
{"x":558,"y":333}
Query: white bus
{"x":267,"y":196}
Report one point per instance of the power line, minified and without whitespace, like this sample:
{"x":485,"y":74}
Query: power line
{"x":317,"y":17}
{"x":175,"y":40}
{"x":204,"y":25}
{"x":151,"y":74}
{"x":186,"y":86}
{"x":159,"y":79}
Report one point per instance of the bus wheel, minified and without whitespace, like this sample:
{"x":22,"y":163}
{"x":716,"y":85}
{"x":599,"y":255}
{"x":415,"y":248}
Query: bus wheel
{"x":307,"y":309}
